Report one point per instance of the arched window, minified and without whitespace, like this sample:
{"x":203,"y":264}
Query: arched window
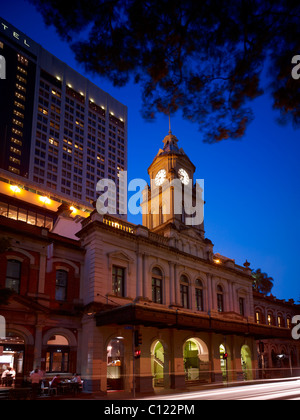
{"x":57,"y":355}
{"x":280,"y":321}
{"x":184,"y":291}
{"x":61,"y":285}
{"x":258,"y":317}
{"x":13,"y":275}
{"x":199,"y":296}
{"x":270,"y":319}
{"x":220,"y":299}
{"x":157,"y":284}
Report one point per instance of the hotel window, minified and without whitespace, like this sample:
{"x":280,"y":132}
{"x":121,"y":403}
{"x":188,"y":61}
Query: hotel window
{"x":157,"y":281}
{"x":21,"y":70}
{"x":184,"y":292}
{"x":118,"y":281}
{"x":220,"y":299}
{"x":242,"y":306}
{"x":258,"y":318}
{"x":21,"y":79}
{"x":199,"y":295}
{"x":15,"y":160}
{"x":61,"y":285}
{"x":280,"y":321}
{"x":19,"y":96}
{"x":22,"y":60}
{"x":270,"y":319}
{"x":13,"y":275}
{"x":16,"y":141}
{"x":14,"y":170}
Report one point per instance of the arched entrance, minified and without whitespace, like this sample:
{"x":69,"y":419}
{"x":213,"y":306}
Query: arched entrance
{"x":58,"y":354}
{"x":158,"y":364}
{"x":12,"y":351}
{"x":115,"y":364}
{"x":224,"y":362}
{"x":246,"y":361}
{"x":196,"y":360}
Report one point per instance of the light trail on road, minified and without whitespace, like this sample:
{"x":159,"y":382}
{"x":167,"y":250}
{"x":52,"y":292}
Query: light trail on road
{"x":285,"y":390}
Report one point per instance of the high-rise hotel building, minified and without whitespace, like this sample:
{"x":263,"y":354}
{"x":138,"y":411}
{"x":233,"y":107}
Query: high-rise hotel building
{"x":59,"y":133}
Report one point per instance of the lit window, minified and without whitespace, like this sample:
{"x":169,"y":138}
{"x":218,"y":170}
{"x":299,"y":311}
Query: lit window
{"x":21,"y":70}
{"x":15,"y":150}
{"x":20,"y":87}
{"x":14,"y":160}
{"x":22,"y":60}
{"x":14,"y":170}
{"x":18,"y":123}
{"x":118,"y":281}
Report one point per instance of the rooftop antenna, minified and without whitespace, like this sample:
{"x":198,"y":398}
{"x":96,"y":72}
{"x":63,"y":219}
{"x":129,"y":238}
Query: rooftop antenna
{"x":170,"y":130}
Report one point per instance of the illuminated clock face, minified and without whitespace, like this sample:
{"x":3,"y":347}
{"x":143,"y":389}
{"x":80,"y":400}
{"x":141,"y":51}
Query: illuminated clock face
{"x":184,"y":176}
{"x":160,"y":177}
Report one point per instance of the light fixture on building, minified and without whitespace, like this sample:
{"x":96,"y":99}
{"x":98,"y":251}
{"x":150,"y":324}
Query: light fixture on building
{"x":73,"y":210}
{"x":15,"y":189}
{"x":45,"y":200}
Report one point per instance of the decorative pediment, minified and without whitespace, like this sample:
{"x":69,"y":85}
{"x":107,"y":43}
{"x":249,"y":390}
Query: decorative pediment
{"x":120,"y":256}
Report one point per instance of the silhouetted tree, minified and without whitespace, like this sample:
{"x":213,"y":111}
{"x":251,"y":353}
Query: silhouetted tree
{"x":203,"y":57}
{"x":262,"y":282}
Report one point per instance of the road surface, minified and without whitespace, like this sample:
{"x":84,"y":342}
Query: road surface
{"x":279,"y":390}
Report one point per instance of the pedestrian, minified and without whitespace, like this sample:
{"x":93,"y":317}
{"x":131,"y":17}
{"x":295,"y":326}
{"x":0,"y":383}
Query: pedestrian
{"x":35,"y":383}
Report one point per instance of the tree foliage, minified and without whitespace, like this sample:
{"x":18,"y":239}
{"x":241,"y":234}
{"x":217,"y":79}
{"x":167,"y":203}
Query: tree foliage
{"x":206,"y":58}
{"x":262,"y":282}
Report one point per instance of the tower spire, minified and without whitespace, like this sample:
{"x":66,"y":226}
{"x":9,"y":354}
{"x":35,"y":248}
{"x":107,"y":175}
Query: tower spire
{"x":170,"y":130}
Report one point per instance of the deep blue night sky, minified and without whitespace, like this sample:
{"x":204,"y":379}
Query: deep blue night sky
{"x":251,"y":186}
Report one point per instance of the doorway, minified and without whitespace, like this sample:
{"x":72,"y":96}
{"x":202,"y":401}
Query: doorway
{"x":12,"y":351}
{"x":158,"y":364}
{"x":246,"y":361}
{"x":196,"y":360}
{"x":115,"y":364}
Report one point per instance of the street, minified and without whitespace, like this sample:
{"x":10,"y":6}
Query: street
{"x":276,"y":390}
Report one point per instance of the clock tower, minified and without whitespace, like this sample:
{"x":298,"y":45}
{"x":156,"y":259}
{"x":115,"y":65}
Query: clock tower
{"x":172,"y":199}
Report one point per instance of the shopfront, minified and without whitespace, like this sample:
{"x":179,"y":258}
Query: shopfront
{"x":12,"y":354}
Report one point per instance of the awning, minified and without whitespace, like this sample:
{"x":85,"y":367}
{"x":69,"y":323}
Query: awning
{"x":148,"y":316}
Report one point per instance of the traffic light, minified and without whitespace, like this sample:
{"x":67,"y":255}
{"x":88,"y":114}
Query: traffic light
{"x":225,"y":356}
{"x":137,"y":354}
{"x":138,"y":341}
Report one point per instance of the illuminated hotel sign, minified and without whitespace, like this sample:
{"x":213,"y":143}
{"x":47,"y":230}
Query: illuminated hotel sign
{"x":17,"y":36}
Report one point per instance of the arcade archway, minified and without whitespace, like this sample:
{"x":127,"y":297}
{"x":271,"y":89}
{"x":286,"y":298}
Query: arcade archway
{"x":246,"y":361}
{"x":196,"y":360}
